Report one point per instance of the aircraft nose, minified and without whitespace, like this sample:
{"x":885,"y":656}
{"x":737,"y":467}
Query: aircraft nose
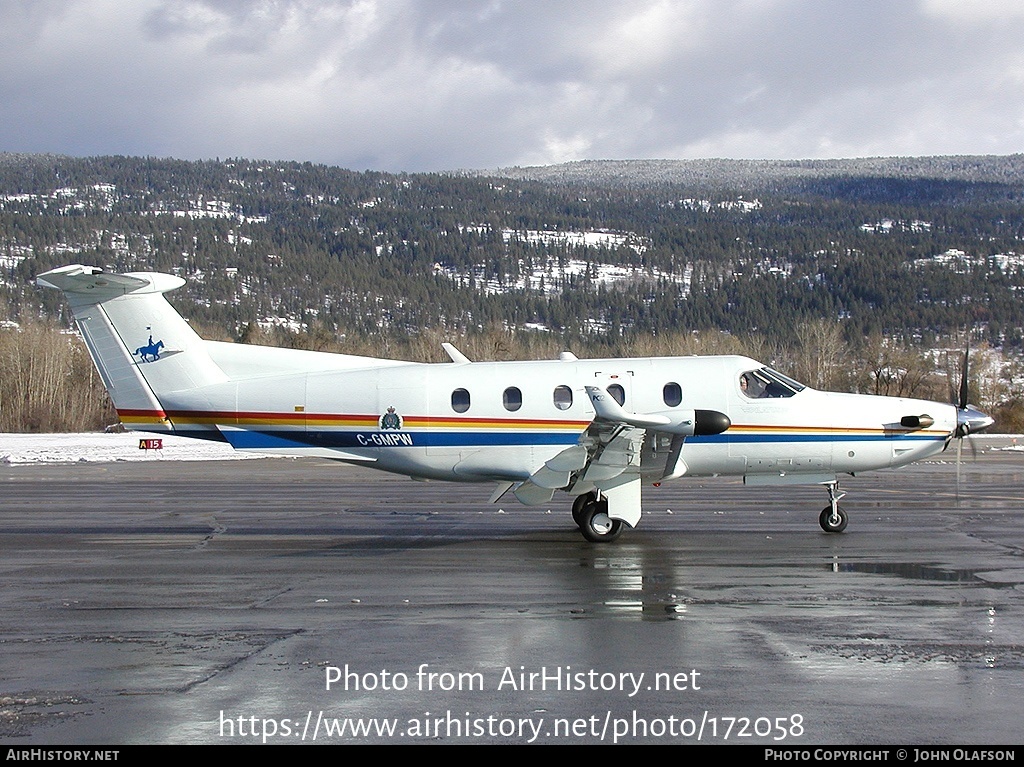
{"x":970,"y":420}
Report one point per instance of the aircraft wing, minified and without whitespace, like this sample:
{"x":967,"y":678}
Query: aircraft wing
{"x":612,"y":452}
{"x":607,"y":458}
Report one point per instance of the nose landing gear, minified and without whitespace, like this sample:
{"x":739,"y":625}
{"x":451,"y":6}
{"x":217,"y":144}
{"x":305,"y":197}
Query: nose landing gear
{"x":833,"y":519}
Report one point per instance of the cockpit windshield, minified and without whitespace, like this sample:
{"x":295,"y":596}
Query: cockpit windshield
{"x":766,"y":383}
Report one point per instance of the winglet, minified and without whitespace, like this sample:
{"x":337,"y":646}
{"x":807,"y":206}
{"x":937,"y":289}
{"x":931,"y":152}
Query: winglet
{"x":608,"y":409}
{"x":685,"y":422}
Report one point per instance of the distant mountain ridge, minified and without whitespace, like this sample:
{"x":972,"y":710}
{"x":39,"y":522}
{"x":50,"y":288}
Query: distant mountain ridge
{"x":757,"y":174}
{"x":594,"y":252}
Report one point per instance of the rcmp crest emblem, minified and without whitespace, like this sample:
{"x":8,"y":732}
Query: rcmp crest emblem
{"x":390,"y":420}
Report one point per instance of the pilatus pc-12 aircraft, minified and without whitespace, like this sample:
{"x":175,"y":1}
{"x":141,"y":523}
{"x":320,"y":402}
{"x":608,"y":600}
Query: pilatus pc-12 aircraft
{"x":595,"y":429}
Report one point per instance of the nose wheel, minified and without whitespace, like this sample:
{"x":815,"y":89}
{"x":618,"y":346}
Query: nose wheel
{"x":833,"y":519}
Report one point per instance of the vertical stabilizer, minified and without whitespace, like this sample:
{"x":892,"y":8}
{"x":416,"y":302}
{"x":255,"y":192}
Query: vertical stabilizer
{"x":144,"y":350}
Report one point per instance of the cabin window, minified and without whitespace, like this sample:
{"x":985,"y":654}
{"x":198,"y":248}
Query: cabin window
{"x":618,"y":393}
{"x":563,"y":397}
{"x":512,"y":398}
{"x":672,"y":394}
{"x":460,"y":400}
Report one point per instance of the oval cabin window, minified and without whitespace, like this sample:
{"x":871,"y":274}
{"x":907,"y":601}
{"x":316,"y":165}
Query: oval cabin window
{"x":512,"y":398}
{"x":460,"y":400}
{"x":563,"y":397}
{"x":672,"y":394}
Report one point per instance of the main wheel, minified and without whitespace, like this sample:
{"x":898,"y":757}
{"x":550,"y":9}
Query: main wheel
{"x":577,"y":507}
{"x":596,"y":525}
{"x":833,"y":522}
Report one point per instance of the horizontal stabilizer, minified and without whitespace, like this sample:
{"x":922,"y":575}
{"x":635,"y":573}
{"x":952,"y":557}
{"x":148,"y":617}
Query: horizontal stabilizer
{"x":91,"y":285}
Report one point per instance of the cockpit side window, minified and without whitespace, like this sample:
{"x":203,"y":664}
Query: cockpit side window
{"x":751,"y":385}
{"x":766,"y":383}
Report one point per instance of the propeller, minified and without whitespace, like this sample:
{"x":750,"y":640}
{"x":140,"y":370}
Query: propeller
{"x":968,"y":418}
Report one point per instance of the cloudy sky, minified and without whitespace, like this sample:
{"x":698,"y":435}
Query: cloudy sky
{"x":446,"y":84}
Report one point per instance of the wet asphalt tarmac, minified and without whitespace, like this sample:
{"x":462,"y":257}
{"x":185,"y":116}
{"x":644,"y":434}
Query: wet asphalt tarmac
{"x":166,"y":602}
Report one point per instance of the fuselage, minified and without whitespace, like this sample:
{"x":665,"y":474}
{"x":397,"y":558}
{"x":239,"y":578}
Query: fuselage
{"x":501,"y":420}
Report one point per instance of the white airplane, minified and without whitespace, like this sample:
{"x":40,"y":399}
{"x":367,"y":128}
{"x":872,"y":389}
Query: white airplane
{"x":595,"y":429}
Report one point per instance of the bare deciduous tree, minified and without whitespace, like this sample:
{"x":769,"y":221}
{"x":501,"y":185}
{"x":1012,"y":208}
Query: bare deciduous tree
{"x":48,"y":382}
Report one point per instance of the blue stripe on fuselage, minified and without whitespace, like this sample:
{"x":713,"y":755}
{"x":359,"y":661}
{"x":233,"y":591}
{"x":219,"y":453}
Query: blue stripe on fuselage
{"x":252,"y":439}
{"x":362,"y":439}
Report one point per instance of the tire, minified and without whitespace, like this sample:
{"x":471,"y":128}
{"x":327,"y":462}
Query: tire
{"x":577,"y":507}
{"x":596,"y":525}
{"x":830,"y":524}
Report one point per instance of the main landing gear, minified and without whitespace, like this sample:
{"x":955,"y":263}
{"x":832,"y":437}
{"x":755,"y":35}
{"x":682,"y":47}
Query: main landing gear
{"x":590,"y":513}
{"x":833,"y":518}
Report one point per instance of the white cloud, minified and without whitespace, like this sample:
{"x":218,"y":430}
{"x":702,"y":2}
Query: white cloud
{"x":974,"y":11}
{"x":406,"y":85}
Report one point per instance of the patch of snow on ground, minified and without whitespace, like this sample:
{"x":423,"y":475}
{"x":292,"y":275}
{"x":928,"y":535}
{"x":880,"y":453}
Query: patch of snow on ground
{"x":100,"y":448}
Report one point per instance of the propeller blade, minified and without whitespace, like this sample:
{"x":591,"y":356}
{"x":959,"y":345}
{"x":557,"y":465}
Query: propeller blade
{"x":962,"y":402}
{"x":968,"y":420}
{"x":959,"y":449}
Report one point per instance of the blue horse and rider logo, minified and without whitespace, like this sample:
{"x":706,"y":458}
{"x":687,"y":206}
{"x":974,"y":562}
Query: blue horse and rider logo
{"x":150,"y":352}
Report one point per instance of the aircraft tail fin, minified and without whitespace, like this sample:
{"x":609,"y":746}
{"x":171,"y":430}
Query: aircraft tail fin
{"x":144,"y":350}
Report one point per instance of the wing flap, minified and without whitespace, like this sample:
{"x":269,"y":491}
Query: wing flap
{"x":530,"y":494}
